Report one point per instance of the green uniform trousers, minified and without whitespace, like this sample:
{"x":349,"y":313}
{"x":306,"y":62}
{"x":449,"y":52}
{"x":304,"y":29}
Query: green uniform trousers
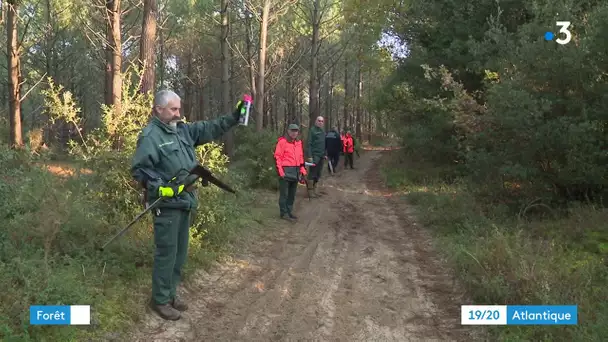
{"x":315,"y":171}
{"x":287,"y":195}
{"x":171,"y":234}
{"x":348,"y":159}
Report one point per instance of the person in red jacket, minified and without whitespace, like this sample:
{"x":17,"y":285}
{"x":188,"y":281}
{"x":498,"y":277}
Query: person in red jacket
{"x":349,"y":148}
{"x":289,"y":158}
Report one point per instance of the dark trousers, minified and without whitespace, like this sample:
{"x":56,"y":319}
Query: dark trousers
{"x":171,"y":233}
{"x":315,"y":171}
{"x":348,"y":160}
{"x":287,"y":195}
{"x":333,"y":159}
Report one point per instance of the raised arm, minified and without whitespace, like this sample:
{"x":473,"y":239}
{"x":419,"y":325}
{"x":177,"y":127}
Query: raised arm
{"x":203,"y":132}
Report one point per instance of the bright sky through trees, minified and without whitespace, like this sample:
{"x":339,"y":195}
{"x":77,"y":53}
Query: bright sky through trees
{"x":392,"y":42}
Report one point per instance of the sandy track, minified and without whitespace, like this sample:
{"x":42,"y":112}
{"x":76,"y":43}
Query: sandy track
{"x":355,"y":267}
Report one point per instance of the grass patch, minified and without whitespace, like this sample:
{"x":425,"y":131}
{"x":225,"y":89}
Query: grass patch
{"x":53,"y":225}
{"x":380,"y":140}
{"x":504,"y":260}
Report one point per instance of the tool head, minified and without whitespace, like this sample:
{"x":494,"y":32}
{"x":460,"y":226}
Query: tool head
{"x":203,"y":173}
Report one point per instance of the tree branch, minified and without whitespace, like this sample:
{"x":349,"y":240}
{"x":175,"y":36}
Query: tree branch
{"x":27,"y":25}
{"x":32,"y":88}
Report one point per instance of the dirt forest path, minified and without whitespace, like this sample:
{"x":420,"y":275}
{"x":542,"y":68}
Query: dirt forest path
{"x":355,"y":267}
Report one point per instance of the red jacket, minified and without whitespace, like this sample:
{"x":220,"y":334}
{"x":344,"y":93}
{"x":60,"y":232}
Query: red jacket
{"x":289,"y":154}
{"x":349,"y":146}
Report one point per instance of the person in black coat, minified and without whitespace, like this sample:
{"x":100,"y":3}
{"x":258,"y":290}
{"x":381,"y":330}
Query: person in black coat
{"x":333,"y":146}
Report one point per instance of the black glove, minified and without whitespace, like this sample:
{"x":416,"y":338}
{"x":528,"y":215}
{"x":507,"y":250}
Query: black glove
{"x":237,"y":110}
{"x":204,"y":182}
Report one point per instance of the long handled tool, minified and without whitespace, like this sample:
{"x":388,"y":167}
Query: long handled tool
{"x":331,"y":167}
{"x":307,"y":164}
{"x":199,"y":172}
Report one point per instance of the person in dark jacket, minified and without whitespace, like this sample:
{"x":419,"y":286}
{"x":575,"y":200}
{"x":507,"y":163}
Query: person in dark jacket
{"x":289,"y":159}
{"x":333,"y":145}
{"x":315,"y":153}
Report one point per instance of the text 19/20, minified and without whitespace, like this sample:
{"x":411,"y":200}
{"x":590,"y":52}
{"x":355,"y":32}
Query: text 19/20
{"x":484,"y":315}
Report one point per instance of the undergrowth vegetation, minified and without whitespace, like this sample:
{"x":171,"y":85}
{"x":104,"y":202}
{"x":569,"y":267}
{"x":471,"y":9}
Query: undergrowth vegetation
{"x":506,"y":257}
{"x":505,"y":150}
{"x":53,"y":225}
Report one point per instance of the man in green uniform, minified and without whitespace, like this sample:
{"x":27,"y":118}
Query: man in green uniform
{"x":316,"y":153}
{"x":165,"y":152}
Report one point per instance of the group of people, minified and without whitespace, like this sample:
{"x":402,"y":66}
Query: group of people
{"x":166,"y":148}
{"x":289,"y":156}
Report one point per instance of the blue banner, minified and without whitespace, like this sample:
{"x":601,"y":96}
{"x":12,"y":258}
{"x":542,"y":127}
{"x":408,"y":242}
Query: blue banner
{"x":50,"y":314}
{"x":542,"y":314}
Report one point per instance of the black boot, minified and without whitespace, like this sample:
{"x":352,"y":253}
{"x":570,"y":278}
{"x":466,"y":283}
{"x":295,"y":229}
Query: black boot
{"x":314,"y":188}
{"x":179,"y":304}
{"x":166,"y":311}
{"x":312,"y":193}
{"x":288,"y":217}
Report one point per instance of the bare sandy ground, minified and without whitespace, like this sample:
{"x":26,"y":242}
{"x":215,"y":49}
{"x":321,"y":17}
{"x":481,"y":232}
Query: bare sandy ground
{"x":355,"y":267}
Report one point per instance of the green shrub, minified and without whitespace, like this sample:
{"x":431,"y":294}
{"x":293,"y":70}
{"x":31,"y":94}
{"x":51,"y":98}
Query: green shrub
{"x":53,"y":225}
{"x":255,"y":153}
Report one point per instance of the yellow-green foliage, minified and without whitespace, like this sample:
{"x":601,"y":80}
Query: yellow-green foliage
{"x":52,"y":226}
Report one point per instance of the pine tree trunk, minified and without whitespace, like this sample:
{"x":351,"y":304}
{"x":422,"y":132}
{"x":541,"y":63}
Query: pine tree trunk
{"x":313,"y":105}
{"x":259,"y":101}
{"x":226,"y":103}
{"x":114,"y":56}
{"x":147,"y":47}
{"x":358,"y":95}
{"x":14,"y":71}
{"x":346,"y":89}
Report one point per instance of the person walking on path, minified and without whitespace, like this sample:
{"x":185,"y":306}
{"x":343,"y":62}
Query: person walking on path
{"x":165,"y":147}
{"x":289,"y":158}
{"x":333,"y":145}
{"x":315,"y":154}
{"x":349,"y":149}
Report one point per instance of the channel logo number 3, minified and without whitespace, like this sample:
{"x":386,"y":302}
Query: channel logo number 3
{"x":564,"y":29}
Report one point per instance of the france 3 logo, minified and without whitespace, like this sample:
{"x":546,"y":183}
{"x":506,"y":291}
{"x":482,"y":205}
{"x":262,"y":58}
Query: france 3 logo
{"x":567,"y":35}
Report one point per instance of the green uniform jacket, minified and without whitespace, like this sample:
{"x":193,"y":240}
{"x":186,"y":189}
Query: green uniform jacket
{"x":316,"y":144}
{"x":163,"y":152}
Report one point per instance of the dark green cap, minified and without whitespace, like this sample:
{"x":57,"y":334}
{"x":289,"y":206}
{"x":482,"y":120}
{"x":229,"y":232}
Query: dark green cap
{"x":293,"y":127}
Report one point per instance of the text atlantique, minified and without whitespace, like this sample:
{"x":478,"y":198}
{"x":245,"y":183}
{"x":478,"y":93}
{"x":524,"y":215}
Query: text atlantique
{"x":538,"y":316}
